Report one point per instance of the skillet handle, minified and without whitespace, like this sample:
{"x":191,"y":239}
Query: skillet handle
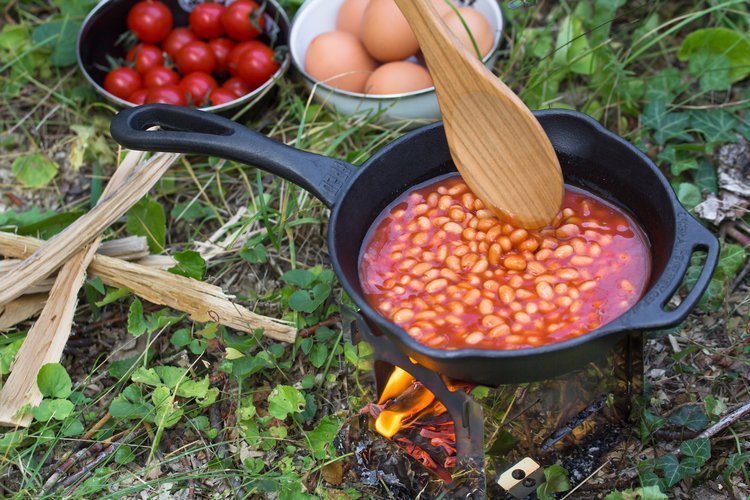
{"x":691,"y":236}
{"x":185,"y":130}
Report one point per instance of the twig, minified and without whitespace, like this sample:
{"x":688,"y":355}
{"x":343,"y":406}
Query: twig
{"x":586,"y":480}
{"x":46,"y":340}
{"x":202,"y":301}
{"x":726,"y":421}
{"x":312,"y":329}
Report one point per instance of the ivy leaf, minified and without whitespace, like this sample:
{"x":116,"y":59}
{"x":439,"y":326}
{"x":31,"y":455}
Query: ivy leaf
{"x":699,"y":449}
{"x":733,"y":464}
{"x":146,"y":218}
{"x":189,"y":264}
{"x":692,"y":417}
{"x":665,"y":125}
{"x":731,"y":44}
{"x":712,"y":70}
{"x":322,"y":436}
{"x":298,"y":277}
{"x":53,"y":381}
{"x":556,"y":481}
{"x":689,"y":195}
{"x":34,"y":170}
{"x":649,"y":424}
{"x":664,"y":86}
{"x":673,"y":471}
{"x":644,"y":493}
{"x":61,"y":37}
{"x":705,"y":176}
{"x":136,"y":323}
{"x":59,"y":409}
{"x":284,"y":400}
{"x":716,"y":125}
{"x":318,"y":355}
{"x":74,"y":7}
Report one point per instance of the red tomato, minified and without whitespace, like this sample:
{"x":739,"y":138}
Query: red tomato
{"x":159,"y":76}
{"x":168,"y":94}
{"x":256,"y":64}
{"x":197,"y":87}
{"x":205,"y":20}
{"x":237,"y":86}
{"x":145,"y":57}
{"x":243,"y":20}
{"x":221,"y":96}
{"x":195,"y":56}
{"x":221,"y":47}
{"x":150,"y":20}
{"x":138,"y":97}
{"x":236,"y":53}
{"x":122,"y":82}
{"x":177,"y":39}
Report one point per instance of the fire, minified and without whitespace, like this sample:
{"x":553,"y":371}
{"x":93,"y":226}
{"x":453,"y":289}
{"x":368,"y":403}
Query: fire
{"x":409,"y":414}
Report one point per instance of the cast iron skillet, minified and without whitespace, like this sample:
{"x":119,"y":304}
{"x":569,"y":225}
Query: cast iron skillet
{"x":591,"y":157}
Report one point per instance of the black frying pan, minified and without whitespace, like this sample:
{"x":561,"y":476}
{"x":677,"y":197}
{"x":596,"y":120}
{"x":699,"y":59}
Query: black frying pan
{"x":591,"y":157}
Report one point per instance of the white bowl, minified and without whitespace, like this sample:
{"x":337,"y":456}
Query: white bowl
{"x":410,"y":109}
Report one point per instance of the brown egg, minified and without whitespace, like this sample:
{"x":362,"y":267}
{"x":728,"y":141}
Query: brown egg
{"x":350,"y":16}
{"x":478,"y":25}
{"x":397,"y":78}
{"x":385,"y":32}
{"x":339,"y":53}
{"x":442,"y":7}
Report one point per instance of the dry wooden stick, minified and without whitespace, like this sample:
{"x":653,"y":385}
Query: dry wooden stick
{"x":86,"y":229}
{"x":47,"y":338}
{"x":202,"y":301}
{"x":21,"y":309}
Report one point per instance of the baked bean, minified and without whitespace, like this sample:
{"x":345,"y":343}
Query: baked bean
{"x":627,"y":286}
{"x":536,"y":268}
{"x":514,"y":262}
{"x":421,"y":268}
{"x":472,"y":297}
{"x":563,"y":252}
{"x":435,"y":286}
{"x":545,"y":290}
{"x":581,"y":260}
{"x":452,"y":228}
{"x":480,"y":266}
{"x":456,"y":214}
{"x":468,"y":260}
{"x":518,"y":236}
{"x":493,"y":256}
{"x":529,"y":245}
{"x":486,"y":307}
{"x":505,"y":243}
{"x":474,"y":338}
{"x":469,"y":234}
{"x":403,"y":315}
{"x":523,"y":294}
{"x":444,"y":202}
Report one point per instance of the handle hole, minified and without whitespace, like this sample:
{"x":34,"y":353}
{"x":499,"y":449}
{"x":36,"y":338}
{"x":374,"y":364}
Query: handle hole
{"x":698,"y":261}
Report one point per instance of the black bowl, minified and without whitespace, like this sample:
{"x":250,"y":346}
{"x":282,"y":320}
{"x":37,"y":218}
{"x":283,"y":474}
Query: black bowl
{"x":106,"y":23}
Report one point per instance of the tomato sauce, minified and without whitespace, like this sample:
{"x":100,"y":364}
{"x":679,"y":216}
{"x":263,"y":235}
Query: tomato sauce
{"x":444,"y":268}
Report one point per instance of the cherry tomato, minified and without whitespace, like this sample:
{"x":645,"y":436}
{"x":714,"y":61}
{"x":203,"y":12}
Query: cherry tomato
{"x":145,"y":57}
{"x":168,"y":94}
{"x":237,"y":86}
{"x":159,"y":76}
{"x":221,"y":96}
{"x":221,"y":47}
{"x":177,"y":39}
{"x":243,"y":20}
{"x":122,"y":82}
{"x":197,"y":87}
{"x":256,"y":64}
{"x":138,"y":97}
{"x":205,"y":20}
{"x":150,"y":20}
{"x":236,"y":53}
{"x":195,"y":56}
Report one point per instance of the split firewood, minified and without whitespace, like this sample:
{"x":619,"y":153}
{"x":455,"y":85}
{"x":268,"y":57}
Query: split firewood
{"x":202,"y":301}
{"x":46,"y":339}
{"x":61,"y":248}
{"x":21,"y":309}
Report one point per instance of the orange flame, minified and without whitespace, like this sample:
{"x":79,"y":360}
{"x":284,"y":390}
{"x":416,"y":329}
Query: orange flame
{"x":409,"y":401}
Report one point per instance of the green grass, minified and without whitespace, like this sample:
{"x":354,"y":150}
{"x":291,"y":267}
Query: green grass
{"x":279,"y":406}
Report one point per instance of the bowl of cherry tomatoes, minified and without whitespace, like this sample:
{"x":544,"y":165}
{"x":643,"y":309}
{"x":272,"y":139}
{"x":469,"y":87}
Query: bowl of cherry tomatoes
{"x":210,"y":55}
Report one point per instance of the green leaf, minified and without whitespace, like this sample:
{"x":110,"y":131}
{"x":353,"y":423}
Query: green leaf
{"x":318,"y":355}
{"x":734,"y":463}
{"x":689,"y":195}
{"x":705,"y":176}
{"x":673,"y":471}
{"x":189,"y":388}
{"x":712,"y":70}
{"x":61,"y":37}
{"x":171,"y":375}
{"x":72,"y":427}
{"x":665,"y":125}
{"x":572,"y":49}
{"x":556,"y":481}
{"x":716,"y":125}
{"x":136,"y":323}
{"x":98,"y":285}
{"x":34,"y":170}
{"x":10,"y":440}
{"x":181,"y":338}
{"x":649,"y":424}
{"x":250,"y":365}
{"x":285,"y":400}
{"x":124,"y":455}
{"x":714,"y":407}
{"x":322,"y":436}
{"x":113,"y":295}
{"x":298,"y":277}
{"x":253,"y":251}
{"x":699,"y":449}
{"x":719,"y":42}
{"x":663,"y":86}
{"x":146,"y":218}
{"x":308,"y":302}
{"x":167,"y":412}
{"x":692,"y":417}
{"x":74,"y":7}
{"x":190,"y":211}
{"x":189,"y":264}
{"x":59,"y":409}
{"x":146,"y":376}
{"x":8,"y":354}
{"x":644,"y":493}
{"x":53,"y":381}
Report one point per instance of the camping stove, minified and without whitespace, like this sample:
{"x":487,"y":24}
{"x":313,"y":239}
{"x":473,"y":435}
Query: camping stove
{"x":495,"y":442}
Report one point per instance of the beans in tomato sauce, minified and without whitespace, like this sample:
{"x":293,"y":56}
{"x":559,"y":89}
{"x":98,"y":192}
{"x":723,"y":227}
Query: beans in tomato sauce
{"x":444,"y":268}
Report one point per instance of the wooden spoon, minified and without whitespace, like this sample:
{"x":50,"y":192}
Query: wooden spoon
{"x":497,"y":144}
